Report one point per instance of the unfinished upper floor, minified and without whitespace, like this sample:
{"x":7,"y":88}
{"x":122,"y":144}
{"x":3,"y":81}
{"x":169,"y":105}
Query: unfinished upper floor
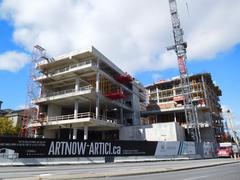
{"x":167,"y":95}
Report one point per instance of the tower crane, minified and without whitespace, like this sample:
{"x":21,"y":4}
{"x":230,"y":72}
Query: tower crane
{"x":180,"y":47}
{"x":231,"y":127}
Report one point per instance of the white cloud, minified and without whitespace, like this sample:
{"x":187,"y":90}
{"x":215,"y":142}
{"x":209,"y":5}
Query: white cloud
{"x":134,"y":34}
{"x":13,"y":61}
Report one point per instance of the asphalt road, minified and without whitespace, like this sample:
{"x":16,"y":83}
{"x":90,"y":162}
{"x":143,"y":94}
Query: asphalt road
{"x":118,"y":168}
{"x":223,"y":172}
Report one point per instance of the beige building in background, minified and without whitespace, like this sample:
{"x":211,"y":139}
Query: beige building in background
{"x":166,"y":105}
{"x":16,"y":116}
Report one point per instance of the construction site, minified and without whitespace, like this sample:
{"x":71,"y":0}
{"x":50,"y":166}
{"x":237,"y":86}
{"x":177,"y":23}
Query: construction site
{"x":83,"y":95}
{"x":82,"y":108}
{"x":166,"y":105}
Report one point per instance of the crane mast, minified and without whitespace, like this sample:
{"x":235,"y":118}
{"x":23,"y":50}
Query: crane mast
{"x":231,"y":127}
{"x":180,"y":48}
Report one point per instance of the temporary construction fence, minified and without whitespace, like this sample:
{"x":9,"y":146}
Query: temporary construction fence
{"x":36,"y":148}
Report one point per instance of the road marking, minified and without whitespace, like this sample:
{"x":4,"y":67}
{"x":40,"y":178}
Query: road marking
{"x":45,"y":174}
{"x":198,"y":177}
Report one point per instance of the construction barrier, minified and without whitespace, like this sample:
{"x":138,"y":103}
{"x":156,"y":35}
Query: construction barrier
{"x":31,"y":149}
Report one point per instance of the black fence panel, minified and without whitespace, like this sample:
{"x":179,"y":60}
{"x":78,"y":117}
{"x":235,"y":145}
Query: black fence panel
{"x":47,"y":148}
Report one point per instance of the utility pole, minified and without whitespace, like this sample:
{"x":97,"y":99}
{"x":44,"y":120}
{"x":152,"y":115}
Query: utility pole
{"x":180,"y":48}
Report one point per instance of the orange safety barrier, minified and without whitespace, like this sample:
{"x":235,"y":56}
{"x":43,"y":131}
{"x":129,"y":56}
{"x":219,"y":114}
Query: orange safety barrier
{"x":124,"y":78}
{"x":115,"y":95}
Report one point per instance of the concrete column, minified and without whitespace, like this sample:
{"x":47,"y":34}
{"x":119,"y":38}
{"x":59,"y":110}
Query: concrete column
{"x":74,"y":133}
{"x":77,"y":84}
{"x":199,"y":139}
{"x":157,"y":95}
{"x":35,"y":133}
{"x":121,"y":115}
{"x":174,"y":92}
{"x":70,"y":134}
{"x":205,"y":91}
{"x":97,"y":91}
{"x":75,"y":109}
{"x":103,"y":135}
{"x":85,"y":137}
{"x":175,"y":118}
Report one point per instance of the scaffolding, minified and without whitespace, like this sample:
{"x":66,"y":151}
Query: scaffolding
{"x":33,"y":90}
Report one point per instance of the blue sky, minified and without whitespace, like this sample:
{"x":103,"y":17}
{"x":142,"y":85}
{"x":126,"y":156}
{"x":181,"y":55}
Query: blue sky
{"x":133,"y":41}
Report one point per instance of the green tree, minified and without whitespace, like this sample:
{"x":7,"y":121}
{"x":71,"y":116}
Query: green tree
{"x":7,"y":128}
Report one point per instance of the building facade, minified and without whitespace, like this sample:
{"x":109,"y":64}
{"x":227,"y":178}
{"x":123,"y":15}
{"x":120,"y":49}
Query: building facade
{"x":16,"y":116}
{"x":166,"y":105}
{"x":85,"y":96}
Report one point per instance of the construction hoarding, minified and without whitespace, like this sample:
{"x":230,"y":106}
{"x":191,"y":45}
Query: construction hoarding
{"x":55,"y":148}
{"x":41,"y":148}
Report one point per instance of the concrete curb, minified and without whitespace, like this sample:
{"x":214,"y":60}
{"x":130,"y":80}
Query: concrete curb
{"x":98,"y":160}
{"x":119,"y":174}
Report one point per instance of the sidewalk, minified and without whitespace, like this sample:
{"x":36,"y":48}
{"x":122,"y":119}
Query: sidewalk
{"x":137,"y":170}
{"x":87,"y":160}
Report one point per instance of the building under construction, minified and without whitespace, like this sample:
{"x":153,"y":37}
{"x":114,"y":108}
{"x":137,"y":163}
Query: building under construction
{"x":166,"y":104}
{"x":85,"y":96}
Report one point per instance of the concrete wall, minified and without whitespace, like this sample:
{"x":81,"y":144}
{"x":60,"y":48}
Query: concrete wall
{"x":154,"y":132}
{"x":135,"y":106}
{"x":54,"y":110}
{"x":180,"y":132}
{"x":204,"y":117}
{"x":207,"y":134}
{"x":49,"y":133}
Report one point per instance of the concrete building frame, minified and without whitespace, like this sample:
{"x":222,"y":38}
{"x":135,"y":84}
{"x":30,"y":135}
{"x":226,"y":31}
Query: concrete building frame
{"x":166,"y":105}
{"x":83,"y":95}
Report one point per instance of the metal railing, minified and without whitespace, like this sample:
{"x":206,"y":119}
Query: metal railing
{"x":58,"y":92}
{"x":105,"y":118}
{"x":67,"y":68}
{"x":79,"y":116}
{"x":67,"y":91}
{"x":84,"y":88}
{"x":200,"y":124}
{"x":41,"y":63}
